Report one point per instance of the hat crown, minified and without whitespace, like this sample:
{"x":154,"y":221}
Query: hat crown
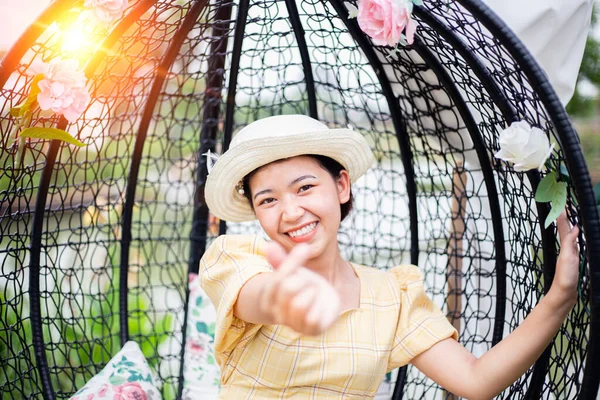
{"x":278,"y":126}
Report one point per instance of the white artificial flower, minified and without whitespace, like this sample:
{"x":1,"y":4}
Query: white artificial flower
{"x":526,"y":147}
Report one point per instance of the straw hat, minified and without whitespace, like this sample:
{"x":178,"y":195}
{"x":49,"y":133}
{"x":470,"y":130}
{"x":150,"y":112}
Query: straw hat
{"x":275,"y":138}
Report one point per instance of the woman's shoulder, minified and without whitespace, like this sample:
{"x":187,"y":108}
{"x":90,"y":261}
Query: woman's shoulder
{"x":400,"y":275}
{"x":254,"y":244}
{"x":401,"y":270}
{"x":406,"y":272}
{"x":234,"y":257}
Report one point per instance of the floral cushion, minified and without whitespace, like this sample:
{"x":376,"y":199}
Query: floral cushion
{"x":201,"y":373}
{"x":127,"y":376}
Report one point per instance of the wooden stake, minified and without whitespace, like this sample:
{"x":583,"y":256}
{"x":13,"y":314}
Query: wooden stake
{"x":454,"y":271}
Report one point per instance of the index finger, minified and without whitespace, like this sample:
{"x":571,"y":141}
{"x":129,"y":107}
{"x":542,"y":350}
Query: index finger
{"x":287,"y":266}
{"x":295,"y":259}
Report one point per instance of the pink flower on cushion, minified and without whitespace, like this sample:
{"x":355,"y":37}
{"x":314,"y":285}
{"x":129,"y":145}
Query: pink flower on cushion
{"x":197,"y":348}
{"x":194,"y":285}
{"x":107,"y":10}
{"x":103,"y":390}
{"x":63,"y":89}
{"x":385,"y":20}
{"x":130,"y":391}
{"x":199,"y":344}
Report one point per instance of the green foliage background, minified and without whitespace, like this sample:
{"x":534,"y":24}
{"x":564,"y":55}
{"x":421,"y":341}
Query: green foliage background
{"x":581,"y":106}
{"x":585,"y":110}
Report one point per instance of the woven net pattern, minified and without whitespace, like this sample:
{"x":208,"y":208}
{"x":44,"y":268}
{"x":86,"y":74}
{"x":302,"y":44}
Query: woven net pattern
{"x":127,"y":208}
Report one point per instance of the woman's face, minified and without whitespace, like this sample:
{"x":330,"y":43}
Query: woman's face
{"x":298,"y":201}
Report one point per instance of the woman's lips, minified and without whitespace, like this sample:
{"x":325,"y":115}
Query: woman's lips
{"x":305,"y":237}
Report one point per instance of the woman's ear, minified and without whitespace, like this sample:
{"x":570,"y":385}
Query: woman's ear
{"x":343,"y":186}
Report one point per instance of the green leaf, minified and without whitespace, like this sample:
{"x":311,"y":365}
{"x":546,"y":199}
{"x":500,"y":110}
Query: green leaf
{"x":135,"y":376}
{"x":198,"y":301}
{"x":564,"y":171}
{"x":546,"y":189}
{"x":559,"y":201}
{"x":210,"y":359}
{"x":27,"y":105}
{"x":50,"y":133}
{"x":201,"y":327}
{"x":116,"y":380}
{"x":21,"y":109}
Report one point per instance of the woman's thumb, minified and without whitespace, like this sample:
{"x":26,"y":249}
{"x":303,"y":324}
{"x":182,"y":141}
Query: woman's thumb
{"x":275,"y":254}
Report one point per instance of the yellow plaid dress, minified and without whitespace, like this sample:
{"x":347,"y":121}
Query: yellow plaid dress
{"x":395,"y":322}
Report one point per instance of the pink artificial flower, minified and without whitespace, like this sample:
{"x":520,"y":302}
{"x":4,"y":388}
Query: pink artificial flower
{"x":130,"y":391}
{"x":385,"y":20}
{"x":63,"y":89}
{"x":37,"y":67}
{"x":107,"y":10}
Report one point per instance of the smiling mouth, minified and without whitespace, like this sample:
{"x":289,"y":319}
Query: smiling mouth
{"x":302,"y":231}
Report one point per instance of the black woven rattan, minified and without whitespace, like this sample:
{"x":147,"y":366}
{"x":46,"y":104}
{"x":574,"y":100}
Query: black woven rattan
{"x":96,"y":242}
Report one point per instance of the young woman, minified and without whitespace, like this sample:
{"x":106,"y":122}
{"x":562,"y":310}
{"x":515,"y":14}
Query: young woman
{"x":296,"y":320}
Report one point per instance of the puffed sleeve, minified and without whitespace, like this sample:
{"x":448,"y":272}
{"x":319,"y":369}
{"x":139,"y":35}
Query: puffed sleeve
{"x":228,"y":263}
{"x":421,"y":324}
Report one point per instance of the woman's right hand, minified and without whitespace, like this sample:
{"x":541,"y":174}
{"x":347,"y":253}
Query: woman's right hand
{"x":297,"y":297}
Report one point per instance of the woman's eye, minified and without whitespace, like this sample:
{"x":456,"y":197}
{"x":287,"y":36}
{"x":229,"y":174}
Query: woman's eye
{"x":305,"y":188}
{"x":266,"y":201}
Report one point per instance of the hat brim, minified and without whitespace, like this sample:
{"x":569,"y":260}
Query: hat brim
{"x":346,"y":146}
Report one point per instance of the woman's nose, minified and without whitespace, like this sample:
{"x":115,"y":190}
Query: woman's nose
{"x":292,"y":210}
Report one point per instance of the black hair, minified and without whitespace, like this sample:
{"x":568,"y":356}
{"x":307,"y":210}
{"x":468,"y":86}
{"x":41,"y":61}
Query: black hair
{"x":329,"y":164}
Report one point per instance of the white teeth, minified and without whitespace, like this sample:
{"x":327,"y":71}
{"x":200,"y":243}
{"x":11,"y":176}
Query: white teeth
{"x":303,"y":231}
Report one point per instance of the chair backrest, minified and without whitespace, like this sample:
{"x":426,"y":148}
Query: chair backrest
{"x":96,"y":242}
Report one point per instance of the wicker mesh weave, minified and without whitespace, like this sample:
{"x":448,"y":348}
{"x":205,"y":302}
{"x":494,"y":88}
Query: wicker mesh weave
{"x":125,"y":214}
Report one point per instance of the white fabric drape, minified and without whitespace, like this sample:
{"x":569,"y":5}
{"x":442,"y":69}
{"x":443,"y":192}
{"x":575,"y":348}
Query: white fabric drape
{"x":554,"y":31}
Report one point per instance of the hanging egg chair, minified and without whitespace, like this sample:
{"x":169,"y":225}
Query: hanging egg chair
{"x":101,"y":228}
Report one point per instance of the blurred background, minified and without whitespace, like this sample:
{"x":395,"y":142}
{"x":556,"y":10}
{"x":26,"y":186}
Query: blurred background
{"x":584,"y":107}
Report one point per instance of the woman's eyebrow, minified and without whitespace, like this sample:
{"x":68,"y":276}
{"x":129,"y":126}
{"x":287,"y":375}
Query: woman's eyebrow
{"x":262,"y":192}
{"x":303,"y":177}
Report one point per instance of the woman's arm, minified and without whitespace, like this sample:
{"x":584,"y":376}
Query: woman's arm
{"x":457,"y":370}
